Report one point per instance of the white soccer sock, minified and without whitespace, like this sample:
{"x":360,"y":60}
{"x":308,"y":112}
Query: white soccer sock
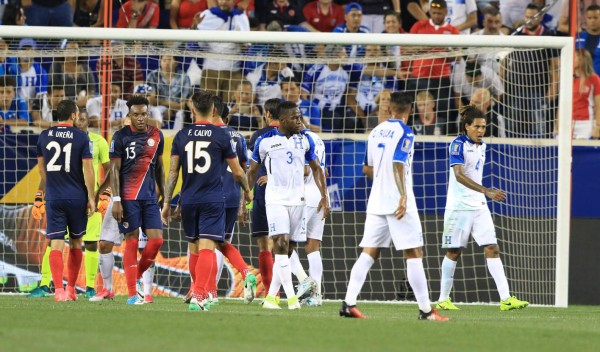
{"x":147,"y":278}
{"x":275,"y":280}
{"x":448,"y":268}
{"x":417,"y":280}
{"x":497,"y":270}
{"x":358,"y":275}
{"x":106,"y":262}
{"x":282,"y":262}
{"x":315,"y":268}
{"x":220,"y":260}
{"x":296,"y":267}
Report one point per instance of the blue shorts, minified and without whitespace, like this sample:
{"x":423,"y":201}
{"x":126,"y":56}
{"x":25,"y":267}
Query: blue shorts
{"x":230,"y":219}
{"x":63,"y":213}
{"x":260,"y":225}
{"x":140,"y":213}
{"x":204,"y":221}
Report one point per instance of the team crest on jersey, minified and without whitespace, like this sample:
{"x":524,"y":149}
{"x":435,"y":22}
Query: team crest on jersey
{"x":91,"y":147}
{"x":125,"y":224}
{"x":112,"y":146}
{"x":406,"y":145}
{"x":456,"y":149}
{"x":151,"y":142}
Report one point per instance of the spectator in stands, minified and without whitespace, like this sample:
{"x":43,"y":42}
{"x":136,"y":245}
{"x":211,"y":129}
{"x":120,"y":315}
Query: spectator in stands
{"x":13,"y":110}
{"x":374,"y":10}
{"x":290,"y":89}
{"x":32,"y":79}
{"x":126,"y":70}
{"x":383,"y":110}
{"x":411,"y":12}
{"x":590,"y":38}
{"x":375,"y":76}
{"x":434,"y":74}
{"x":284,"y":11}
{"x":139,"y":14}
{"x":75,"y":75}
{"x":323,"y":15}
{"x":512,"y":12}
{"x":462,"y":15}
{"x":492,"y":25}
{"x":244,"y":115}
{"x":353,"y":18}
{"x":425,"y":120}
{"x":267,"y":79}
{"x":171,"y":87}
{"x":482,"y":99}
{"x":586,"y":98}
{"x":182,"y":13}
{"x":155,"y":115}
{"x":220,"y":76}
{"x":6,"y":63}
{"x":564,"y":22}
{"x":468,"y":76}
{"x":392,"y":22}
{"x":88,"y":13}
{"x":43,"y":112}
{"x":118,"y":108}
{"x":48,"y":12}
{"x":333,"y":88}
{"x":531,"y":84}
{"x":13,"y":14}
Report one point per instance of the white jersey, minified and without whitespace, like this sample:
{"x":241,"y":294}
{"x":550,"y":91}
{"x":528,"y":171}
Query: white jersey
{"x":313,"y":195}
{"x":284,"y":159}
{"x":117,"y":112}
{"x":463,"y":151}
{"x":390,"y":142}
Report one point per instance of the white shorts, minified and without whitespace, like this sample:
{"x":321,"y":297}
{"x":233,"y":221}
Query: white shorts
{"x":459,"y":224}
{"x":380,"y":230}
{"x":315,"y":224}
{"x":110,"y":227}
{"x":287,"y":220}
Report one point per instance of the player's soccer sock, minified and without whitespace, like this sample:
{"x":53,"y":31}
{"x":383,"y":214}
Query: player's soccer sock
{"x":358,"y":275}
{"x":497,"y":270}
{"x":220,"y":260}
{"x":282,"y":262}
{"x":91,"y":268}
{"x":57,"y":267}
{"x":315,"y":268}
{"x":235,"y":258}
{"x":147,"y":278}
{"x":205,"y":276}
{"x":296,"y":267}
{"x":275,"y":283}
{"x":448,"y":268}
{"x":193,"y":260}
{"x":74,"y":265}
{"x":149,"y":255}
{"x":45,"y":271}
{"x":106,"y":262}
{"x":265,"y":265}
{"x":417,"y":280}
{"x":130,"y":265}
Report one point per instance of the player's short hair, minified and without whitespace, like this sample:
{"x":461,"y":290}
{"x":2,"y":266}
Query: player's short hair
{"x":220,"y":107}
{"x":271,"y":107}
{"x":401,"y":102}
{"x":468,"y":114}
{"x":593,"y":8}
{"x":65,"y":108}
{"x":7,"y":81}
{"x":203,"y":102}
{"x":533,"y":6}
{"x":284,"y":107}
{"x":137,"y":100}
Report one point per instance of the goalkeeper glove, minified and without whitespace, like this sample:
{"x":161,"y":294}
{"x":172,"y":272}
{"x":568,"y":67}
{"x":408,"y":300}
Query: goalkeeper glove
{"x":39,"y":206}
{"x":104,"y":200}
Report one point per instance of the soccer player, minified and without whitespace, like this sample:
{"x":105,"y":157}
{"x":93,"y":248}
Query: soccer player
{"x":392,"y":209}
{"x":260,"y":228}
{"x":99,"y":153}
{"x":67,"y":177}
{"x":284,"y":152}
{"x":136,"y":170}
{"x":467,"y":212}
{"x":203,"y":151}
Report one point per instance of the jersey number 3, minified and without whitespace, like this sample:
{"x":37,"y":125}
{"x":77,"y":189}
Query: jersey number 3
{"x":52,"y":166}
{"x":195,"y":151}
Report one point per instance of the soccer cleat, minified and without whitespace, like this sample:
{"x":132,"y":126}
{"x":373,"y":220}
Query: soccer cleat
{"x":249,"y":288}
{"x":433,"y":316}
{"x":188,"y":297}
{"x":312,"y":301}
{"x":213,"y":298}
{"x":135,"y":299}
{"x":71,"y":293}
{"x":38,"y":292}
{"x":102,"y":295}
{"x":197,"y":306}
{"x":306,"y":288}
{"x":512,"y":303}
{"x":293,"y":303}
{"x":446,"y":305}
{"x":270,"y":302}
{"x":60,"y":295}
{"x":148,"y":299}
{"x":89,"y":292}
{"x":139,"y":289}
{"x":351,"y":312}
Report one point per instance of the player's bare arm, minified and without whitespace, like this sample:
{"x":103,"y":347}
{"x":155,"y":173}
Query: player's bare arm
{"x":160,"y":177}
{"x":368,"y":171}
{"x":42,"y":170}
{"x":169,"y":188}
{"x":251,"y":176}
{"x":39,"y":207}
{"x":240,"y":177}
{"x":399,"y":178}
{"x":494,"y":194}
{"x":90,"y":184}
{"x":322,"y":185}
{"x":115,"y":170}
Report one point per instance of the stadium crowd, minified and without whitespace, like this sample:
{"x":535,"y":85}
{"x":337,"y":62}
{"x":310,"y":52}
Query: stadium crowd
{"x":334,"y":97}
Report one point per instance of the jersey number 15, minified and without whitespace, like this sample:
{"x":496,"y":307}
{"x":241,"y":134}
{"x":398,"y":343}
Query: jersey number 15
{"x":195,"y":150}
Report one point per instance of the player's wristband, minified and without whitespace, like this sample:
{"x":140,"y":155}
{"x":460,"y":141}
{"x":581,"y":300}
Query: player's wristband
{"x":116,"y":199}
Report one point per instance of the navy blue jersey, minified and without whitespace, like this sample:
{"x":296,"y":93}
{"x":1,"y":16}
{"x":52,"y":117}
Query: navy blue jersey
{"x":259,"y":191}
{"x":139,"y":153}
{"x":231,"y":188}
{"x":202,"y":149}
{"x":63,"y":148}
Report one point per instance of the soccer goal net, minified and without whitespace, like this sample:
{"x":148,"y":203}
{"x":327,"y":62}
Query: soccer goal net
{"x":342,"y":83}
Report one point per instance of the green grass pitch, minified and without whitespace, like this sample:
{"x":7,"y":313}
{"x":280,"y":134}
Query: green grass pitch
{"x":43,"y":325}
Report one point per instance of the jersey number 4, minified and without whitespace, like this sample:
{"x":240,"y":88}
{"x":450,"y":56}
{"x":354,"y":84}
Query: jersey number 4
{"x":196,"y":151}
{"x":52,"y":166}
